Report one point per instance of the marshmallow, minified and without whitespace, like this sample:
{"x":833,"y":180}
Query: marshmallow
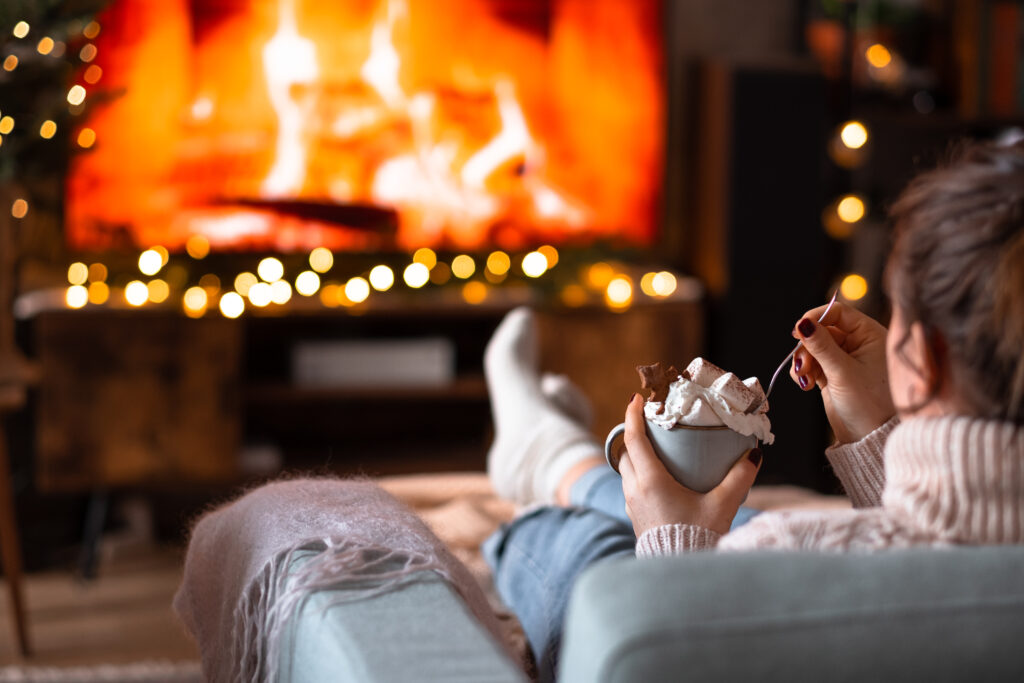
{"x":734,"y":391}
{"x":702,"y":372}
{"x":755,"y":386}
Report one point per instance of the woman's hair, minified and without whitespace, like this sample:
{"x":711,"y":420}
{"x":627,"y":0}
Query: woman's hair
{"x":957,"y":268}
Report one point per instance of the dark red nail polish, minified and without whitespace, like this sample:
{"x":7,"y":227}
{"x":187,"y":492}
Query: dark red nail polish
{"x":805,"y":327}
{"x":755,"y":456}
{"x":803,"y":382}
{"x":798,"y":363}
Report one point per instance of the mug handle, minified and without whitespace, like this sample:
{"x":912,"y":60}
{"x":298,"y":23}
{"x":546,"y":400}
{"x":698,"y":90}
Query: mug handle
{"x":612,"y":454}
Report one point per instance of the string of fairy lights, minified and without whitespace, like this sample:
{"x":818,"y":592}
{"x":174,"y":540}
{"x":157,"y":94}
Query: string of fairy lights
{"x":477,"y":278}
{"x":269,"y":287}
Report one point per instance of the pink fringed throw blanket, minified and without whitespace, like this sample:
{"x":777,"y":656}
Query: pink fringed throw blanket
{"x":237,"y":593}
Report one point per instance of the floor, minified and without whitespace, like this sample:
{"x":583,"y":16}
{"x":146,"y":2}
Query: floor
{"x":122,"y":616}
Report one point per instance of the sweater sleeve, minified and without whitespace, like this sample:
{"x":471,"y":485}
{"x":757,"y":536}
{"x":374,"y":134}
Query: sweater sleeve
{"x":860,"y":466}
{"x":673,"y":539}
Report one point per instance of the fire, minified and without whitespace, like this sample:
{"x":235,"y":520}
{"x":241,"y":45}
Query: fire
{"x":481,"y":124}
{"x":288,"y":60}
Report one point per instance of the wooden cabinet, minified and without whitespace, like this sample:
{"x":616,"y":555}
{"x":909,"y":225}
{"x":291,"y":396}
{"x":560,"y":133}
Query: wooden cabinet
{"x":152,"y":397}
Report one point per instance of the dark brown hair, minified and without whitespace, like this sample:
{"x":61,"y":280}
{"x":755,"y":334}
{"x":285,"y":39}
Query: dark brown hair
{"x":957,"y":268}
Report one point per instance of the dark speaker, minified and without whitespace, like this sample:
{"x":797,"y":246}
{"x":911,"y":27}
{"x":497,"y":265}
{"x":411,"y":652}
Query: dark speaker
{"x":753,"y":234}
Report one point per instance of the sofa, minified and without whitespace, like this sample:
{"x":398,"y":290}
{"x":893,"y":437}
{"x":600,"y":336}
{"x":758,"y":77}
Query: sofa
{"x":917,"y":614}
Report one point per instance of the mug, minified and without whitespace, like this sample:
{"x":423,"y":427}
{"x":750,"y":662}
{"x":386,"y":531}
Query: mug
{"x":697,"y":457}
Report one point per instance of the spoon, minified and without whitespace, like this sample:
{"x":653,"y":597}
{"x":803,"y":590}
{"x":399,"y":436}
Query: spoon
{"x":788,"y":358}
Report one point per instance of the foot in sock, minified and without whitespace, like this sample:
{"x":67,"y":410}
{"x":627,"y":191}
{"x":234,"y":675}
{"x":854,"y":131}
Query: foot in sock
{"x":535,"y":442}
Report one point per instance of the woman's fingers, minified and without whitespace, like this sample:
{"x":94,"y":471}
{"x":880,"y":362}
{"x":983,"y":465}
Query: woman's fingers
{"x":642,"y":459}
{"x":740,"y":478}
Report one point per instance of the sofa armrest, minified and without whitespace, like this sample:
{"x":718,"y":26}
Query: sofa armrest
{"x":919,"y":614}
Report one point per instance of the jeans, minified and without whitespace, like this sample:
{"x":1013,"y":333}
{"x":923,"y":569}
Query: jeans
{"x":536,"y":558}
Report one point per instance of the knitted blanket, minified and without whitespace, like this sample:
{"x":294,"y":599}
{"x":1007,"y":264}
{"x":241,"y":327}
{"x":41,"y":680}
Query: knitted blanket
{"x":239,"y":587}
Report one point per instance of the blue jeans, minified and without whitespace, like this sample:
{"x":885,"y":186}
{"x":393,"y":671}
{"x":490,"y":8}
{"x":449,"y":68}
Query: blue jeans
{"x":536,"y":558}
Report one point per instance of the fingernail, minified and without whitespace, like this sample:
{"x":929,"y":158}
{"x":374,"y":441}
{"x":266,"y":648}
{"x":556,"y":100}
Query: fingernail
{"x":803,"y":382}
{"x":755,"y":456}
{"x":798,"y":363}
{"x":631,"y":399}
{"x":805,"y":327}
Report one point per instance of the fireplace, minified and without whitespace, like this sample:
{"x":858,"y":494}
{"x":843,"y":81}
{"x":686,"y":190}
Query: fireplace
{"x":373,"y":125}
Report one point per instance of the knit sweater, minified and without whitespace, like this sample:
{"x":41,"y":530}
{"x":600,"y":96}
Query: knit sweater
{"x":924,"y":482}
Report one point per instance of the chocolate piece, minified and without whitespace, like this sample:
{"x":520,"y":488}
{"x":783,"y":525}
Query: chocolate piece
{"x":657,"y":379}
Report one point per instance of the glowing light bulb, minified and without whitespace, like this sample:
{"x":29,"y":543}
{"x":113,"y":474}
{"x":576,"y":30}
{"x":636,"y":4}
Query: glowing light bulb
{"x":854,"y":135}
{"x":21,"y":29}
{"x":97,"y":272}
{"x":463,"y":266}
{"x":76,"y":296}
{"x":86,"y":138}
{"x":357,"y":290}
{"x":416,"y":275}
{"x":10,"y":63}
{"x":45,"y":45}
{"x":48,"y":129}
{"x":197,"y":246}
{"x":535,"y":264}
{"x":647,"y":284}
{"x":551,"y":254}
{"x":195,"y":301}
{"x":87,"y":53}
{"x":498,"y":263}
{"x":158,"y":291}
{"x":599,"y":275}
{"x":78,"y":273}
{"x":878,"y":56}
{"x":150,"y":262}
{"x":99,"y":292}
{"x":664,"y":283}
{"x":850,"y":209}
{"x":474,"y":293}
{"x":260,"y":294}
{"x":19,"y":208}
{"x":232,"y":305}
{"x":91,"y":30}
{"x":321,"y":259}
{"x":853,"y":287}
{"x":307,"y":283}
{"x":382,"y":278}
{"x":76,"y":95}
{"x":280,"y":292}
{"x":92,"y":75}
{"x":619,"y":292}
{"x":425,"y":256}
{"x":6,"y":124}
{"x":270,"y":269}
{"x":244,"y":282}
{"x":329,"y":295}
{"x":136,"y":293}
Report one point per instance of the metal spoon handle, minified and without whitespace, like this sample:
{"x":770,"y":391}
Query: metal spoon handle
{"x":785,"y":362}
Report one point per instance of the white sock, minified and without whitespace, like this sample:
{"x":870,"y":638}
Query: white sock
{"x":568,"y":398}
{"x":535,"y":442}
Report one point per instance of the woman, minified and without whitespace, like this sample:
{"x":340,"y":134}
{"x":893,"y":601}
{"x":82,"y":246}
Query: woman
{"x":928,"y":417}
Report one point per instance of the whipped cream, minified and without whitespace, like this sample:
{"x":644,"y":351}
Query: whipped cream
{"x":704,"y":395}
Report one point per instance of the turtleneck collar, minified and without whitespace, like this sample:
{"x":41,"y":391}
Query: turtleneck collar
{"x":961,"y":478}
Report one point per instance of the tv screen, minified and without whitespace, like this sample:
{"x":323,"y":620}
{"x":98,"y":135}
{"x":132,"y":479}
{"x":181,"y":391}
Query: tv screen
{"x":284,"y":125}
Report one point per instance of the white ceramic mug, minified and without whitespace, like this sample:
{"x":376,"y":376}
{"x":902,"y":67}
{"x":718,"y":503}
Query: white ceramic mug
{"x":697,"y":457}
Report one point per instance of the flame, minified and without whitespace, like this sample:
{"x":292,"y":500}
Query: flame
{"x":288,"y":60}
{"x":514,"y":138}
{"x":380,"y":71}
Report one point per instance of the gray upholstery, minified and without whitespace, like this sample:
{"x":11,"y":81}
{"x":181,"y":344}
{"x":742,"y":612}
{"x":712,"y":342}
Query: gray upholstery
{"x":935,"y":615}
{"x":420,"y":632}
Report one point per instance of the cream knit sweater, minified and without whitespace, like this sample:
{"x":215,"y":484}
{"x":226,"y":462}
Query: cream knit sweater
{"x":927,"y":481}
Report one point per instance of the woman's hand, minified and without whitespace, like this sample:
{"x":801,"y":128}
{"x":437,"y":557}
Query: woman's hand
{"x":654,"y":498}
{"x":844,"y":356}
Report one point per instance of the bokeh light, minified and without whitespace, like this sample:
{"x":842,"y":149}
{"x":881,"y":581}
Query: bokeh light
{"x":270,"y":269}
{"x":99,"y":292}
{"x":244,"y":281}
{"x":416,"y":275}
{"x":321,"y":259}
{"x":382,"y":278}
{"x":307,"y":283}
{"x":232,"y":305}
{"x":21,"y":29}
{"x":48,"y":129}
{"x":76,"y":95}
{"x":260,"y":294}
{"x":76,"y":296}
{"x":280,"y":292}
{"x":474,"y":293}
{"x":425,"y":256}
{"x":136,"y":293}
{"x":619,"y":292}
{"x":878,"y":56}
{"x":853,"y":287}
{"x":357,"y":289}
{"x":195,"y":301}
{"x":158,"y":291}
{"x":853,"y":134}
{"x":86,"y":138}
{"x":150,"y":262}
{"x":498,"y":263}
{"x":19,"y":208}
{"x":535,"y":264}
{"x":463,"y":266}
{"x":850,"y":209}
{"x":78,"y":273}
{"x":198,"y":246}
